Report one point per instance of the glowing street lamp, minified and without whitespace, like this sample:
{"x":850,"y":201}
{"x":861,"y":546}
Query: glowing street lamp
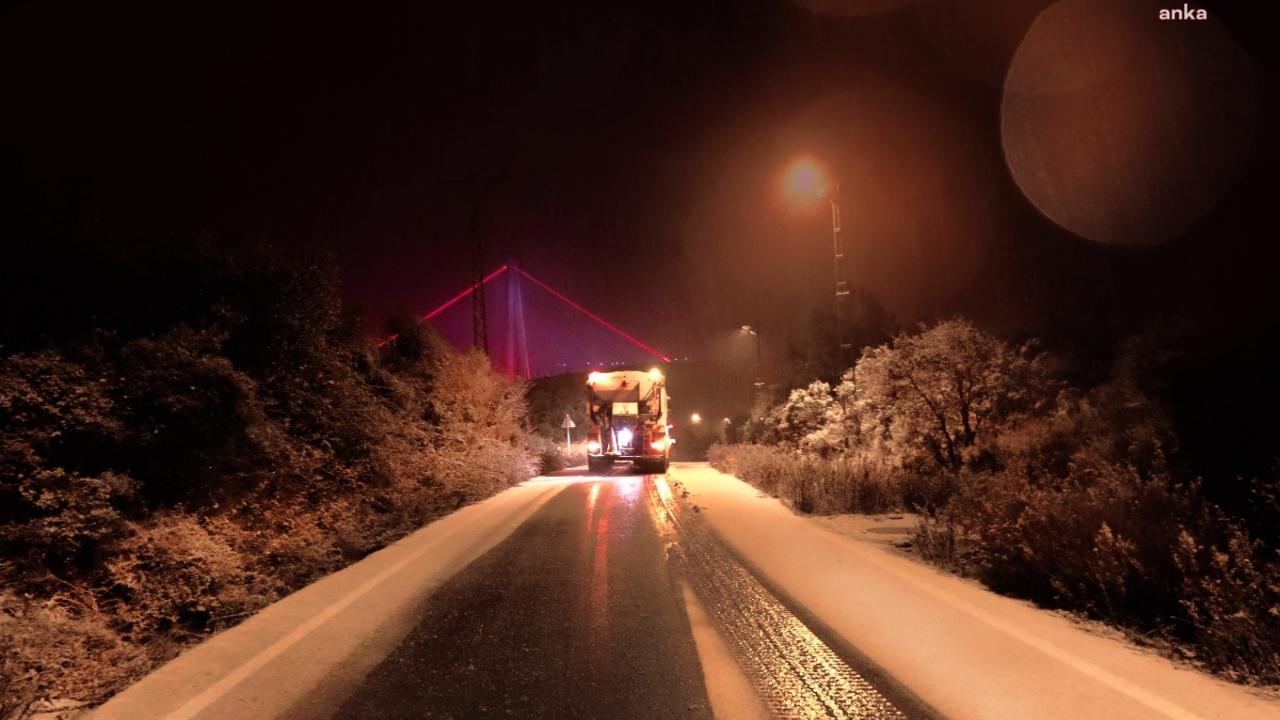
{"x":808,"y":181}
{"x":695,"y":418}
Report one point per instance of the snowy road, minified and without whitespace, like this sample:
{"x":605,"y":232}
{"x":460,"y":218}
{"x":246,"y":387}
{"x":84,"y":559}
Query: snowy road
{"x":613,"y":597}
{"x":569,"y":597}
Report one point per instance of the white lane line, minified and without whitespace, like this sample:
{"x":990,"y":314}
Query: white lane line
{"x":218,"y":690}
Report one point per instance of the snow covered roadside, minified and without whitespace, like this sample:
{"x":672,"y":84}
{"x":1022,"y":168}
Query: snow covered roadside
{"x":969,"y":653}
{"x":299,"y":657}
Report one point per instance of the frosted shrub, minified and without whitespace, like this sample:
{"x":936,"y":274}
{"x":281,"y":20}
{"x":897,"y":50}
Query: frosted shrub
{"x":167,"y":477}
{"x":1230,"y":604}
{"x":813,"y":485}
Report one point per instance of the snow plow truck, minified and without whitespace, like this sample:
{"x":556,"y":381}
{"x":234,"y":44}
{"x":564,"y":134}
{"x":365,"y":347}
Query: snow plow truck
{"x":627,"y":411}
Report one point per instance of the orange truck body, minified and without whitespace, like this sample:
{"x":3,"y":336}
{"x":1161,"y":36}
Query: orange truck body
{"x":628,"y":411}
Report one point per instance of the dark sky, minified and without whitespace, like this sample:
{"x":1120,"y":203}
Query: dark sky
{"x":643,"y":145}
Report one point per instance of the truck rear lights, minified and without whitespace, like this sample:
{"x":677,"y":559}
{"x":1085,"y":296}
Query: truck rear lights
{"x":593,"y":447}
{"x":658,"y":445}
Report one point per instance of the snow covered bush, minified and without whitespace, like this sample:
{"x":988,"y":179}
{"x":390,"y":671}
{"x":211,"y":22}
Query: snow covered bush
{"x":1230,"y":603}
{"x":56,"y":508}
{"x":173,"y":470}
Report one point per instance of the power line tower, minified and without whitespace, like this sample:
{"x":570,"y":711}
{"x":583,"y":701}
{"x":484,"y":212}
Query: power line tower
{"x":476,"y":186}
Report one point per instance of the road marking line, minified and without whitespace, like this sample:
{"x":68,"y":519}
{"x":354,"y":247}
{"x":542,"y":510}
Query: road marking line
{"x":218,"y":690}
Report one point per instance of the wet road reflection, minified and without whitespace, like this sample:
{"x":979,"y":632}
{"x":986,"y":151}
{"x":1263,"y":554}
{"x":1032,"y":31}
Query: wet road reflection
{"x":575,"y":615}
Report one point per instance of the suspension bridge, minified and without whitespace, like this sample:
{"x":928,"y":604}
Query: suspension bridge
{"x":581,"y":340}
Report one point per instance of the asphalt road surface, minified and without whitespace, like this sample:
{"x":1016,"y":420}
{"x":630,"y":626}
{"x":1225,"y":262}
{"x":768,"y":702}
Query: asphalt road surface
{"x":575,"y":615}
{"x":580,"y":613}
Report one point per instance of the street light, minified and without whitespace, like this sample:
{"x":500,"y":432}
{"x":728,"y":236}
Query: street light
{"x":748,"y":330}
{"x":808,"y":180}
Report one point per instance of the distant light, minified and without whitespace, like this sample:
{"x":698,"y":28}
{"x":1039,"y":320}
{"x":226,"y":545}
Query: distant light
{"x":695,"y":418}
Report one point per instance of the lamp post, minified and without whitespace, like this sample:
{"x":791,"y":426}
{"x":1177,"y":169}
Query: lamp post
{"x":809,"y":180}
{"x":842,"y":286}
{"x":755,"y":332}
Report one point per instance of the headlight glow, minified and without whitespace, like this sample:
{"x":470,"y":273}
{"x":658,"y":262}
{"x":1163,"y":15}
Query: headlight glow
{"x":624,"y":436}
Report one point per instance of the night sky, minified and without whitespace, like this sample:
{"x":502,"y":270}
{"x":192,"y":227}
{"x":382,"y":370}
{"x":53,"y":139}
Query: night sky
{"x":643,"y":146}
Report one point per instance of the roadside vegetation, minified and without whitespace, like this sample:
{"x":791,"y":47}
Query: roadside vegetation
{"x":1073,"y":495}
{"x":173,"y":468}
{"x":550,"y":400}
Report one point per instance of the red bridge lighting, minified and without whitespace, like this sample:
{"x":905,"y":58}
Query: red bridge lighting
{"x":593,"y":316}
{"x":464,"y":293}
{"x":546,"y":287}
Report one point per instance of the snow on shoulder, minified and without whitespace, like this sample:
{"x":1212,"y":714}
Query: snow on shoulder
{"x":968,"y":652}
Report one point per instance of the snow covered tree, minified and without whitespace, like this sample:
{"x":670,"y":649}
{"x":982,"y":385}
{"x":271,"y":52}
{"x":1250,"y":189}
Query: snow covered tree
{"x":804,"y":413}
{"x":943,"y":390}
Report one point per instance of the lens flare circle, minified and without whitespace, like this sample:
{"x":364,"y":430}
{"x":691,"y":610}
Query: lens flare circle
{"x":1124,"y":128}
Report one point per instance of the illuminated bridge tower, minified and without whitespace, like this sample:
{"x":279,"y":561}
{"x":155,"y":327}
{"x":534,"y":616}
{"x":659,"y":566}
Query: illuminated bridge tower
{"x":517,"y":339}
